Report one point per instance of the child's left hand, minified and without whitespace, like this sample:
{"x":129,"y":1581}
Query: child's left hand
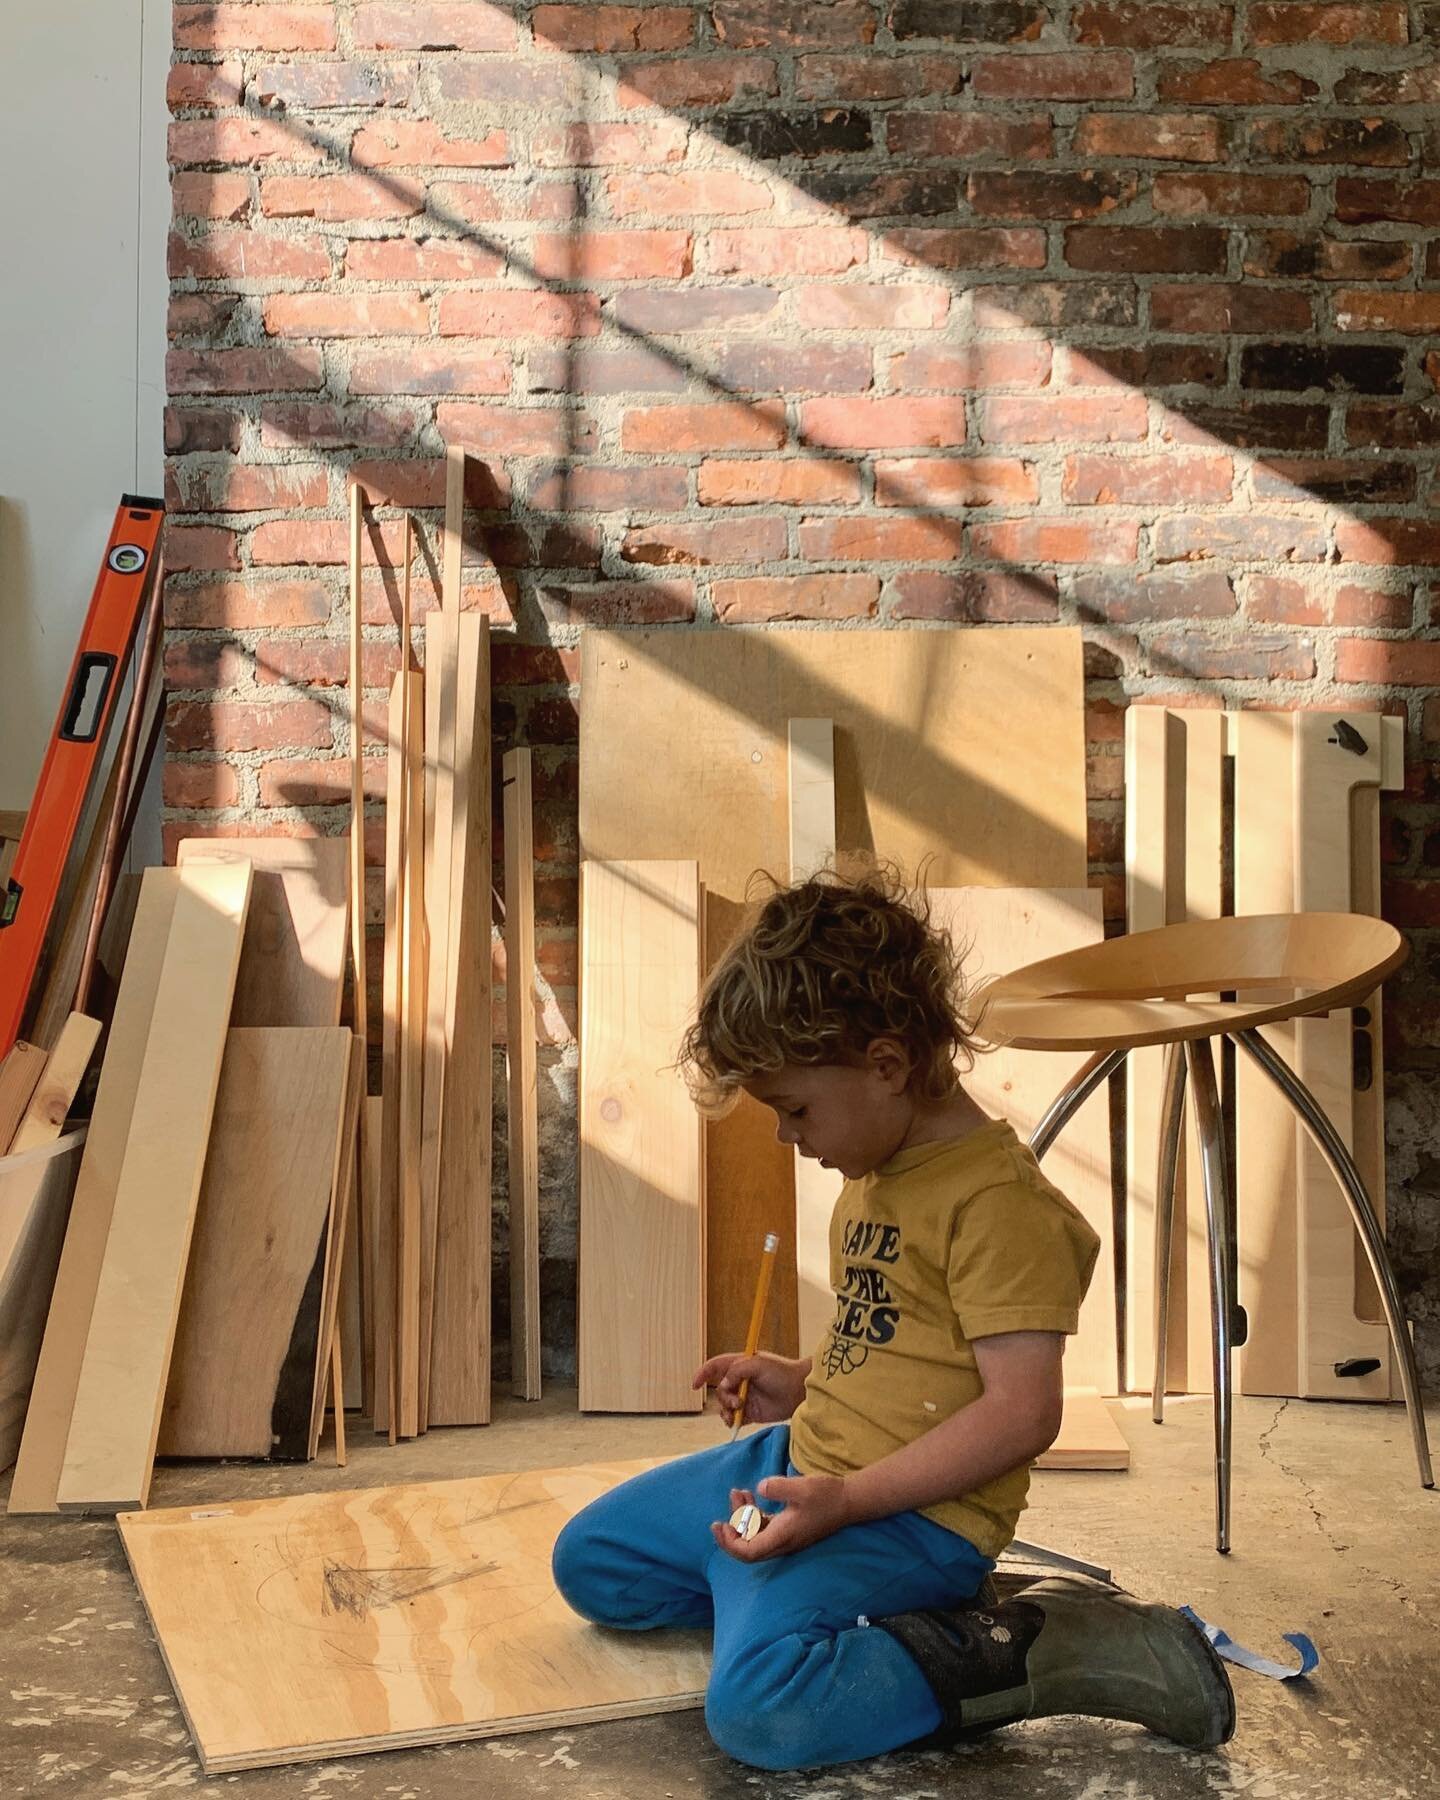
{"x":814,"y":1506}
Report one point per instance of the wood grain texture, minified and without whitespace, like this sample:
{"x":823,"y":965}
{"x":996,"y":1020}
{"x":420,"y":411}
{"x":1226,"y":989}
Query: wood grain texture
{"x":392,"y":1012}
{"x":47,"y":1423}
{"x":1089,"y":1436}
{"x":55,"y":1092}
{"x":20,"y":1070}
{"x":259,"y":1227}
{"x":110,"y":1448}
{"x":35,"y":1193}
{"x":371,"y":1620}
{"x":642,"y":1228}
{"x":460,"y":1351}
{"x":343,"y":1223}
{"x":292,"y":963}
{"x":522,"y":1148}
{"x":370,"y":1187}
{"x":413,"y":952}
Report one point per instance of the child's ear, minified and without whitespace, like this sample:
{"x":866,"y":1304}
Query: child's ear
{"x":887,"y":1059}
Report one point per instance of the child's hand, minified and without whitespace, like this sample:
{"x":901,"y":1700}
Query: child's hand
{"x":777,"y":1385}
{"x":814,"y":1507}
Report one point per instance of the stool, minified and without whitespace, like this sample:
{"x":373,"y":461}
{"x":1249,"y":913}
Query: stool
{"x":1165,"y":987}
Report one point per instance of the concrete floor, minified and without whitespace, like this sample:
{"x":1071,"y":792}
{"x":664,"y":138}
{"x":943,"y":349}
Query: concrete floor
{"x":1332,"y":1537}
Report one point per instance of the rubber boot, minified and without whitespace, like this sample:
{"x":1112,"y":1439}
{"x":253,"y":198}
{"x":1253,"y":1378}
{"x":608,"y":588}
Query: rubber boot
{"x":1069,"y":1646}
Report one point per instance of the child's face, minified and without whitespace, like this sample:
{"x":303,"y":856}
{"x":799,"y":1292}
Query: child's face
{"x":850,"y":1118}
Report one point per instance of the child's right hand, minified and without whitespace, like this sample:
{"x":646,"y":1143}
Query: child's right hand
{"x":777,"y":1385}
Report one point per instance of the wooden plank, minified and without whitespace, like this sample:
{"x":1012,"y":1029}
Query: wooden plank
{"x":292,"y":963}
{"x":408,"y":1252}
{"x":642,"y":1252}
{"x":388,"y":1206}
{"x":918,"y":716}
{"x":35,"y":1191}
{"x":362,"y":1363}
{"x":340,"y":1608}
{"x":110,"y":1449}
{"x":252,"y":1284}
{"x":460,"y":1347}
{"x":342,"y":1225}
{"x":20,"y":1070}
{"x":522,"y":1134}
{"x":55,"y":1092}
{"x":1089,"y":1436}
{"x":352,"y":1314}
{"x":369,"y":1215}
{"x":455,"y":461}
{"x":1006,"y":929}
{"x":42,"y":1448}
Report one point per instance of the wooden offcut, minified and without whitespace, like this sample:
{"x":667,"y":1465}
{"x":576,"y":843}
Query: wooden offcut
{"x":110,"y":1446}
{"x":20,"y":1070}
{"x":342,"y":1226}
{"x":54,"y":1093}
{"x":391,"y":1617}
{"x":522,"y":1077}
{"x":1089,"y":1437}
{"x":642,"y":1195}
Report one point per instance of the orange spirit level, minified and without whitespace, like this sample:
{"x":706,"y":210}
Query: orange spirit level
{"x":74,"y":752}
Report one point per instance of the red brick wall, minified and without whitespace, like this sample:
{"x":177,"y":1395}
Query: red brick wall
{"x":1121,"y":314}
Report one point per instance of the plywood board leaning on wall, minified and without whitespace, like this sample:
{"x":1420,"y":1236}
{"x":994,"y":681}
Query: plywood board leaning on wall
{"x":642,"y":1193}
{"x":965,"y":745}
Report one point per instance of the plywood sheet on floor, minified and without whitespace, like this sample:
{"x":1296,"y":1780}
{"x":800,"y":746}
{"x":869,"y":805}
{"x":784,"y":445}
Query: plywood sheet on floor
{"x":370,"y":1620}
{"x":1089,"y":1437}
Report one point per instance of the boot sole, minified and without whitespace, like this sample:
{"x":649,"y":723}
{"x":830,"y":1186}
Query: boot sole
{"x":1225,"y":1724}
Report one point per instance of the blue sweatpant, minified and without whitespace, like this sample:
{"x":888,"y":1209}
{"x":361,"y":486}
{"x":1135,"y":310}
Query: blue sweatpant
{"x":797,"y":1681}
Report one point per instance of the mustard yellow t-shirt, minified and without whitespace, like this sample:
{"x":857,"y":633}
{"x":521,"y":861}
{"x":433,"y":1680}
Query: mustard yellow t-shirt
{"x":943,"y":1244}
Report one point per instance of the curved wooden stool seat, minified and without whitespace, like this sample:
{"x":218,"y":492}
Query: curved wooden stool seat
{"x":1181,"y":986}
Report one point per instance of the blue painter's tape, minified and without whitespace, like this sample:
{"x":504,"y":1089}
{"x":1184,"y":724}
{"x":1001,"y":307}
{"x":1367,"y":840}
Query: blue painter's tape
{"x":1226,"y":1646}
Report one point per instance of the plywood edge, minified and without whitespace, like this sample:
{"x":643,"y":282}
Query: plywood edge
{"x":1089,"y":1436}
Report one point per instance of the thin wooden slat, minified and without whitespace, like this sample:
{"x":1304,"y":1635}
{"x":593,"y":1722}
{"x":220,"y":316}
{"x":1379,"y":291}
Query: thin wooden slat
{"x":352,"y":1303}
{"x":292,"y":963}
{"x":363,"y":1364}
{"x":642,"y":1253}
{"x":343,"y":1223}
{"x":448,"y":1575}
{"x":523,"y":1094}
{"x":251,"y":1284}
{"x":1089,"y":1437}
{"x":409,"y":1245}
{"x":455,"y":461}
{"x":388,"y":1199}
{"x":460,"y":1346}
{"x":110,"y":1448}
{"x":42,"y":1448}
{"x":370,"y":1187}
{"x":54,"y":1093}
{"x":20,"y":1070}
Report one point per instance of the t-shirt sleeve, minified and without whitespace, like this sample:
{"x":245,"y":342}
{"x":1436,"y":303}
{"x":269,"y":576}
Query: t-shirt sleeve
{"x":1020,"y":1260}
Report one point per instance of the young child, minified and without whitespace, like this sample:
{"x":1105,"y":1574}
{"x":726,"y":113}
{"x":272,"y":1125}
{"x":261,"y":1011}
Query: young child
{"x":862,"y":1618}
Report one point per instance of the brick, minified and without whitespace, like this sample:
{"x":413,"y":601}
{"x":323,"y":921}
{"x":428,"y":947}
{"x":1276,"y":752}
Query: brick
{"x":773,"y":136}
{"x":1025,"y":541}
{"x":200,"y":428}
{"x":340,"y":197}
{"x":1233,"y":81}
{"x":303,"y":781}
{"x":200,"y":785}
{"x":1392,"y":427}
{"x":611,"y":255}
{"x":1363,"y":200}
{"x":960,"y":136}
{"x":975,"y":596}
{"x":420,"y":482}
{"x":495,"y":81}
{"x":864,"y":76}
{"x":254,"y":28}
{"x":532,"y":665}
{"x":746,"y":540}
{"x":198,"y":663}
{"x":1148,"y":366}
{"x":1230,"y":307}
{"x":1055,"y":303}
{"x":1140,"y":25}
{"x":1038,"y":194}
{"x":322,"y":663}
{"x":1286,"y":23}
{"x":1249,"y":425}
{"x":1273,"y":255}
{"x":1336,"y":480}
{"x":793,"y":24}
{"x":1388,"y":662}
{"x":315,"y":87}
{"x":458,"y":203}
{"x":1359,"y":309}
{"x":1415,"y":86}
{"x":768,"y":481}
{"x":326,"y":426}
{"x":889,"y":423}
{"x":1176,"y":137}
{"x":1340,"y":368}
{"x":516,"y":431}
{"x":581,"y":487}
{"x":966,"y":247}
{"x":240,"y":487}
{"x":1246,"y":537}
{"x":288,"y":541}
{"x":583,"y":369}
{"x":758,"y":600}
{"x":1230,"y":196}
{"x":815,"y":250}
{"x":518,"y":312}
{"x":856,"y":306}
{"x":696,"y":81}
{"x":1380,"y":143}
{"x":240,"y":140}
{"x":552,"y":722}
{"x":402,"y":143}
{"x":975,"y":22}
{"x":898,"y":194}
{"x":955,"y":481}
{"x":430,"y":369}
{"x":852,"y":539}
{"x":345,"y":315}
{"x":247,"y":605}
{"x":239,"y":725}
{"x":467,"y":26}
{"x":1253,"y":658}
{"x":1146,"y":249}
{"x":790,"y":368}
{"x":719,"y":426}
{"x":1104,"y":419}
{"x":194,"y":84}
{"x":605,"y":30}
{"x":1402,"y":541}
{"x":703,"y":191}
{"x":661,"y":602}
{"x":249,"y":255}
{"x":597,"y":145}
{"x":420,"y":261}
{"x":1283,"y":600}
{"x":205,"y":316}
{"x":659,"y":312}
{"x":970,"y":365}
{"x":1147,"y":480}
{"x":219,"y":197}
{"x":1132,"y":599}
{"x":245,"y":371}
{"x":1103,"y":75}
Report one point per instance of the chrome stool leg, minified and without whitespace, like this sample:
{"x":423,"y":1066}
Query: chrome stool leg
{"x":1072,"y":1097}
{"x":1172,"y":1113}
{"x":1342,"y":1166}
{"x":1222,"y":1267}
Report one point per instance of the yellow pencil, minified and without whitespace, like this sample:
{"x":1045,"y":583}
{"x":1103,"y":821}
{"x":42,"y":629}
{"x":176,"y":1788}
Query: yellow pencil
{"x":757,"y":1319}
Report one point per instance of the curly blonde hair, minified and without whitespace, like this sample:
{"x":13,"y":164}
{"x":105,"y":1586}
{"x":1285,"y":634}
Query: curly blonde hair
{"x":820,"y":971}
